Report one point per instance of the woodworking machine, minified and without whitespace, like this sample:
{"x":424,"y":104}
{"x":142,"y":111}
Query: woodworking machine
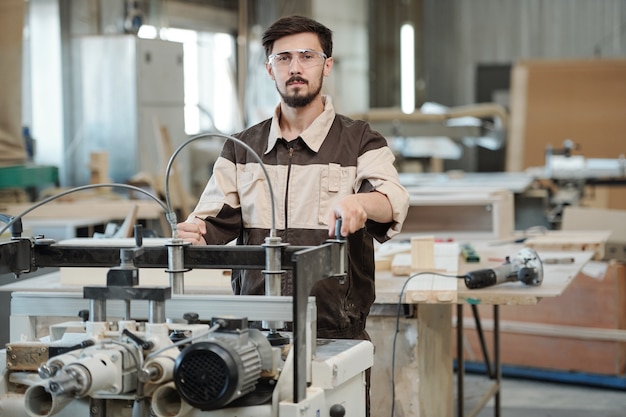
{"x":141,"y":351}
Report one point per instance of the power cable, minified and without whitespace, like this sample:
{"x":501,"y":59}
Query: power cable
{"x":397,"y":330}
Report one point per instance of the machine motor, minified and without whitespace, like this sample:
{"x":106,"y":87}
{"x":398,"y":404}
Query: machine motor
{"x":212,"y":374}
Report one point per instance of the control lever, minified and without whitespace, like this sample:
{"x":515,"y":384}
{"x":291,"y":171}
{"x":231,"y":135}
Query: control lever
{"x":16,"y":224}
{"x":525,"y":267}
{"x":340,"y":262}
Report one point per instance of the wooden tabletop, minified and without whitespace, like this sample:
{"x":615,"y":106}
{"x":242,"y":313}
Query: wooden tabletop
{"x":429,"y":288}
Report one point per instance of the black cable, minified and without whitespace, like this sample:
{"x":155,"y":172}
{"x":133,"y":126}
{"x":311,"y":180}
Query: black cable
{"x":395,"y":336}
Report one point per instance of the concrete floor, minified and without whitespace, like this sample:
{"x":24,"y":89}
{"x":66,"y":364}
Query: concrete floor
{"x":524,"y":398}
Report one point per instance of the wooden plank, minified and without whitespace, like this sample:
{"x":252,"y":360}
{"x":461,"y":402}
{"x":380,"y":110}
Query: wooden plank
{"x":99,"y":168}
{"x":422,"y":253}
{"x":434,"y":357}
{"x":553,"y":330}
{"x":593,"y":241}
{"x":93,"y":207}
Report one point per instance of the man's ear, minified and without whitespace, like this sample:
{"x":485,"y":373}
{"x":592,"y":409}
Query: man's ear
{"x":328,"y":66}
{"x":270,"y":70}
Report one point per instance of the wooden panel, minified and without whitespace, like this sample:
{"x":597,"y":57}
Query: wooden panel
{"x":11,"y":142}
{"x":555,"y":100}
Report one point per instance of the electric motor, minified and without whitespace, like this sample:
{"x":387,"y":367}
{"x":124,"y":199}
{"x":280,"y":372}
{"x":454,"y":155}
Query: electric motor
{"x":212,"y":374}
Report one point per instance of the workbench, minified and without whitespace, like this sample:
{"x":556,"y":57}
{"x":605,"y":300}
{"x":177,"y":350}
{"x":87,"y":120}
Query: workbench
{"x":61,"y":220}
{"x":28,"y":177}
{"x":422,"y":356}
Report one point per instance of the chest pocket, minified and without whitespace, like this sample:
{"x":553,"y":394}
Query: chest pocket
{"x":335,"y":184}
{"x":254,"y":196}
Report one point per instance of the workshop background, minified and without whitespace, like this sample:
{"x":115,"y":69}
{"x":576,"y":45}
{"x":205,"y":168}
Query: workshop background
{"x":100,"y":91}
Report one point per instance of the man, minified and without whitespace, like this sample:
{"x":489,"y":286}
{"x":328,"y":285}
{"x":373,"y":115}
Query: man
{"x":322,"y":166}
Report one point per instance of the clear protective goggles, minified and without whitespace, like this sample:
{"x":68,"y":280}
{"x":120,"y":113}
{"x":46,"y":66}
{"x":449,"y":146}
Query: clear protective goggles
{"x":307,"y":58}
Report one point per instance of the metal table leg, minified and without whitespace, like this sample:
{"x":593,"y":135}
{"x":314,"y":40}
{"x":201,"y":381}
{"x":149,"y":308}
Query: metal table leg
{"x":494,"y":371}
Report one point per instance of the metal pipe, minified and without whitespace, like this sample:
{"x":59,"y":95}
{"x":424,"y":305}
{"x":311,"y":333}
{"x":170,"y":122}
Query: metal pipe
{"x":273,"y":274}
{"x":156,"y":312}
{"x":176,"y":265}
{"x":97,"y":310}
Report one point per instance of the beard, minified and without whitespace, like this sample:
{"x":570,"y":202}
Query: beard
{"x":296,"y":99}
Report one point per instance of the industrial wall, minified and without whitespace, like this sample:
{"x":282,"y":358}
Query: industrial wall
{"x":459,"y":35}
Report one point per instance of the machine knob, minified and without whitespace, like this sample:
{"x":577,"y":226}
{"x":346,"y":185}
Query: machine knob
{"x":191,"y":317}
{"x":337,"y":410}
{"x":84,"y":315}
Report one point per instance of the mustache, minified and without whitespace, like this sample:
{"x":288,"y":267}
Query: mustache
{"x":296,"y":79}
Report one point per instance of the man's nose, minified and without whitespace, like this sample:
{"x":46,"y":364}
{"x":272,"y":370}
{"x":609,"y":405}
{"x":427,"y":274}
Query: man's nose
{"x":295,"y":66}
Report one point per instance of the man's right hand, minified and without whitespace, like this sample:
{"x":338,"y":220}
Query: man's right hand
{"x":192,"y":231}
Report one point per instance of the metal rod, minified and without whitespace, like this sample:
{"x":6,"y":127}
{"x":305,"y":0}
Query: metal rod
{"x":176,"y":265}
{"x":156,"y":311}
{"x":483,"y":345}
{"x":496,"y":357}
{"x":460,"y":363}
{"x":273,"y":275}
{"x":97,"y":310}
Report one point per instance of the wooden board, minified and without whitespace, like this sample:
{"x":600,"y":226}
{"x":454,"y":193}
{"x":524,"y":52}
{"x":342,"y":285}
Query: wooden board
{"x":587,"y":218}
{"x":110,"y":208}
{"x":585,"y":241}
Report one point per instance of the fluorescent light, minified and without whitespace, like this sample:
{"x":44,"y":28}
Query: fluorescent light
{"x":407,"y":68}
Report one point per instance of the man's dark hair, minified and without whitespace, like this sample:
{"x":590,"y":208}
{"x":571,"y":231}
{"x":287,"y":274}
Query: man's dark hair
{"x":292,"y":25}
